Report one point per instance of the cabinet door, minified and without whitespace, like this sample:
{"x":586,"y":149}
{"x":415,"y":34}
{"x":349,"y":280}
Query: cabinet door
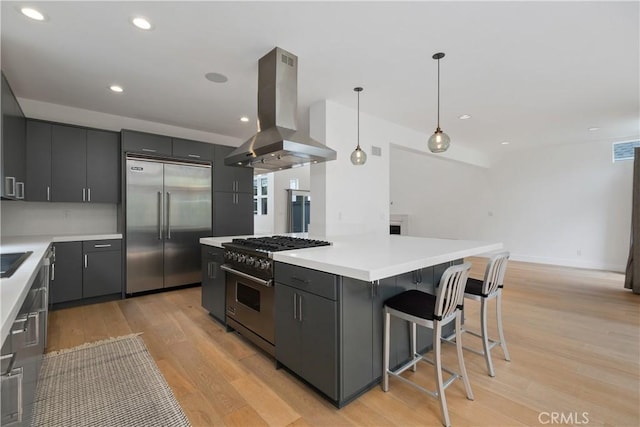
{"x":66,"y":284}
{"x":68,"y":164}
{"x":103,"y":166}
{"x":148,"y":143}
{"x":233,"y":214}
{"x":213,"y":282}
{"x":13,"y":146}
{"x":318,"y":316}
{"x":357,"y":335}
{"x":38,"y":161}
{"x":193,"y":150}
{"x":223,"y":176}
{"x":102,"y":273}
{"x":288,"y":329}
{"x":400,"y":335}
{"x":244,"y":179}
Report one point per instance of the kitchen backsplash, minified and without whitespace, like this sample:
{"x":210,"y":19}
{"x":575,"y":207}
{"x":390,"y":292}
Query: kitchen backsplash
{"x":35,"y":218}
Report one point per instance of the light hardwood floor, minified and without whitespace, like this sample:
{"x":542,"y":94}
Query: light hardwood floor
{"x":573,"y":335}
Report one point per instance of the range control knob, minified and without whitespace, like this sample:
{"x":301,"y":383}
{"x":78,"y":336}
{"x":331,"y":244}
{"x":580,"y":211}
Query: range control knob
{"x":249,"y":260}
{"x":264,"y":265}
{"x":241,"y":257}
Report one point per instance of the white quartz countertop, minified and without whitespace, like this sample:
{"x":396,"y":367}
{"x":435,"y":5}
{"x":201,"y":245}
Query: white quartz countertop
{"x":14,"y":289}
{"x":372,"y":258}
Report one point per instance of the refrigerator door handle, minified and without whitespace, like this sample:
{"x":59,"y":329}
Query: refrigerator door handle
{"x":159,"y":215}
{"x":168,"y":211}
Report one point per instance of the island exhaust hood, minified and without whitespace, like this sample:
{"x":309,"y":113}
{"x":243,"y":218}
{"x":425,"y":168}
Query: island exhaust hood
{"x":278,"y":144}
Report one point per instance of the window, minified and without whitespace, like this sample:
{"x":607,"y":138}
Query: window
{"x":260,"y":193}
{"x":624,"y":150}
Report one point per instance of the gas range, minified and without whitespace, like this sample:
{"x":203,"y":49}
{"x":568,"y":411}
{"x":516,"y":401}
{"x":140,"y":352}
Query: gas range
{"x":253,"y":255}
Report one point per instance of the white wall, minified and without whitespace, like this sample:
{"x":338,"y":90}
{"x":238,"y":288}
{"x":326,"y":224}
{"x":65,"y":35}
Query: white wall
{"x":569,"y":205}
{"x":441,"y":197}
{"x":56,"y":219}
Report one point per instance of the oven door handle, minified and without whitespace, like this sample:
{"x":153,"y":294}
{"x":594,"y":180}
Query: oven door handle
{"x":263,"y":282}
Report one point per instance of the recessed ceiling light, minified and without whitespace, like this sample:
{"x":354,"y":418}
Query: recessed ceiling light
{"x":593,"y":129}
{"x":141,"y":23}
{"x":32,"y":13}
{"x":216,"y":77}
{"x":505,"y":143}
{"x":244,"y":119}
{"x":116,"y":88}
{"x":464,"y":117}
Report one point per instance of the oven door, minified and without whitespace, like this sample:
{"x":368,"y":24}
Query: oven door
{"x":250,"y":302}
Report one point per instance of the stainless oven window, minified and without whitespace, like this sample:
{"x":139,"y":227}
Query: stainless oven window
{"x":248,"y":296}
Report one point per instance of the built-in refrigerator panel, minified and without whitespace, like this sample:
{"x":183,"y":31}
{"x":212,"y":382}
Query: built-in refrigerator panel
{"x":188,"y":218}
{"x":145,"y":253}
{"x":168,"y":210}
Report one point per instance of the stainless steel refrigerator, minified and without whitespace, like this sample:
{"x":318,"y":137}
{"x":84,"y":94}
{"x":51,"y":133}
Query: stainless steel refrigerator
{"x":168,"y":209}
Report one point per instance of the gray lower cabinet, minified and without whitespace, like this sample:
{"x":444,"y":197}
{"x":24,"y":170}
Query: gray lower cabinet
{"x":306,"y":337}
{"x":66,"y":283}
{"x":102,"y":273}
{"x":213,"y":282}
{"x":86,"y":270}
{"x":21,"y":355}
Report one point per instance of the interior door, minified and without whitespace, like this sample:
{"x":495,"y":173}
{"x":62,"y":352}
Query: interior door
{"x":145,"y":231}
{"x":187,"y":195}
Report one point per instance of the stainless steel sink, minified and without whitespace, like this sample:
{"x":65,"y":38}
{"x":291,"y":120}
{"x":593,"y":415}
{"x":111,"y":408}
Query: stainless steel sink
{"x":11,"y":262}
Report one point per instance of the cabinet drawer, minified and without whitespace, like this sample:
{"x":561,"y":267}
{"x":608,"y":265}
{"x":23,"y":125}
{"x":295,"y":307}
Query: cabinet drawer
{"x":102,"y":245}
{"x":193,"y":150}
{"x":312,"y":281}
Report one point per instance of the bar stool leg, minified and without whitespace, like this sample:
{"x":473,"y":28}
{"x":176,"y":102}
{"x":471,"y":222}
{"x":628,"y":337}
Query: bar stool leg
{"x":385,"y":352}
{"x":414,"y":347}
{"x":503,"y":343}
{"x":437,"y":333}
{"x":463,"y":369}
{"x":485,"y":336}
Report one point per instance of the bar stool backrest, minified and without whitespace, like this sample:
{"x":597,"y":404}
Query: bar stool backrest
{"x":494,"y":274}
{"x":451,"y":290}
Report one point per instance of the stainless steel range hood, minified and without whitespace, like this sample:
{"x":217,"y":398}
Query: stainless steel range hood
{"x":278,"y":145}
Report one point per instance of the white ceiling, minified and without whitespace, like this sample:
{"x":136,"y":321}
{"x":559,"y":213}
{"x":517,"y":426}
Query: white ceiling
{"x":529,"y":73}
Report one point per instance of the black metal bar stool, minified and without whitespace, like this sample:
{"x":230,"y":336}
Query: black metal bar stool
{"x":483,"y":291}
{"x":433,"y":312}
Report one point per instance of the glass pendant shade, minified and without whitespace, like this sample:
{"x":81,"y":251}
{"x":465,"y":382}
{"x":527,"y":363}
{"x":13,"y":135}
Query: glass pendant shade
{"x":358,"y":157}
{"x":439,"y":141}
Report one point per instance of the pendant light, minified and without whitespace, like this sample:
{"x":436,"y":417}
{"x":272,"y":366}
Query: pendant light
{"x":358,"y":157}
{"x":439,"y":141}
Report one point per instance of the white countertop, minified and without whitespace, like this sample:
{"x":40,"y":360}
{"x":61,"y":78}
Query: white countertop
{"x":372,"y":258}
{"x":14,"y":289}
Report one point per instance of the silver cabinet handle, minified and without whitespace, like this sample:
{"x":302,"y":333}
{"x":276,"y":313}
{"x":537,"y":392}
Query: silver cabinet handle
{"x":53,"y":272}
{"x":168,"y":212}
{"x":20,"y":190}
{"x":102,"y":246}
{"x":148,"y":150}
{"x":84,"y":196}
{"x":33,"y":319}
{"x":48,"y":193}
{"x":159,"y":215}
{"x":10,"y":186}
{"x":86,"y":260}
{"x":300,"y":308}
{"x":88,"y":194}
{"x":295,"y":306}
{"x":195,"y":156}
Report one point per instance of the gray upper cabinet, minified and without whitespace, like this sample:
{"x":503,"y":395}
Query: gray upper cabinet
{"x":72,"y":163}
{"x":192,"y":150}
{"x":146,"y":143}
{"x":13,"y":165}
{"x":230,"y":178}
{"x":38,"y":161}
{"x":103,"y":166}
{"x":68,"y":164}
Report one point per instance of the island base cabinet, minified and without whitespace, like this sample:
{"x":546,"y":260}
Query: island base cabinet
{"x":213,"y":282}
{"x":306,"y":336}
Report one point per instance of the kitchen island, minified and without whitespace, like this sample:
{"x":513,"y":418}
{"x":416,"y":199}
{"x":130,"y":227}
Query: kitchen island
{"x":328,"y":304}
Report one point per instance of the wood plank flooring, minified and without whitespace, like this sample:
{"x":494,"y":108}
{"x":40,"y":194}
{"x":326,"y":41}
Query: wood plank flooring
{"x":573,"y":335}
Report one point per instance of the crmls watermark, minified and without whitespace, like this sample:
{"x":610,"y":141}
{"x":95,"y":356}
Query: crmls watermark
{"x":576,"y":418}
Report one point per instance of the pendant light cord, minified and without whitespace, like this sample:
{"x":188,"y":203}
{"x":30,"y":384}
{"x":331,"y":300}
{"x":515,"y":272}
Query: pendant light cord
{"x":438,"y":93}
{"x":358,"y":119}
